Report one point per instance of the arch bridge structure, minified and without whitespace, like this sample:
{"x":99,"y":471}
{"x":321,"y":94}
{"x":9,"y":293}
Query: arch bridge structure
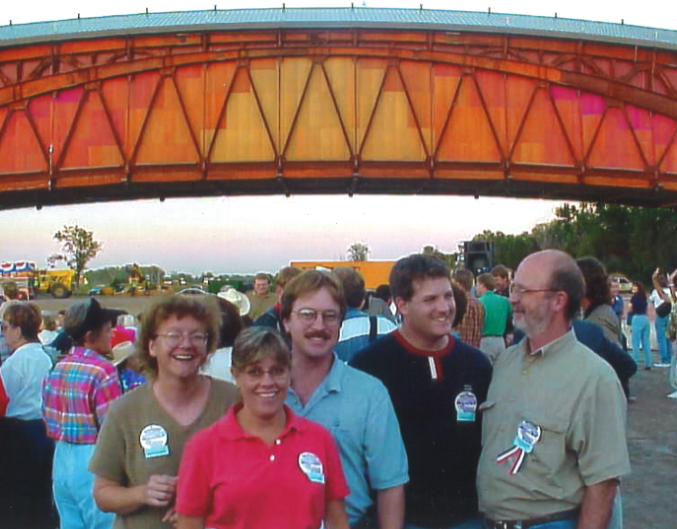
{"x":336,"y":101}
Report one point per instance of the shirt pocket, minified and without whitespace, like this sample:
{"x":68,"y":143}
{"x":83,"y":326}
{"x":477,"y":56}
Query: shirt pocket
{"x":486,"y":411}
{"x":549,"y":456}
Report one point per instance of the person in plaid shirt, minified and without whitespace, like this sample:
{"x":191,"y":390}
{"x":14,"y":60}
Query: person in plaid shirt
{"x":470,"y":327}
{"x":76,"y":397}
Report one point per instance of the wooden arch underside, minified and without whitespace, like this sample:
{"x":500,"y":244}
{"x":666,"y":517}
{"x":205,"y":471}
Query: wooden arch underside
{"x":352,"y":111}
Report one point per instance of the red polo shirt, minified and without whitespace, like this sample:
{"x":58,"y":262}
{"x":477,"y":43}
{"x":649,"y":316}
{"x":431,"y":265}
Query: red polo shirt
{"x":234,"y":480}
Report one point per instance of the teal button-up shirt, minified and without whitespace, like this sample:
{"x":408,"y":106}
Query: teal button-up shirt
{"x":356,"y":409}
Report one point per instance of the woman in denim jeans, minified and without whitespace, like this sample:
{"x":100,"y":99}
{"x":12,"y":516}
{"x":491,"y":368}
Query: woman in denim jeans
{"x":641,"y":329}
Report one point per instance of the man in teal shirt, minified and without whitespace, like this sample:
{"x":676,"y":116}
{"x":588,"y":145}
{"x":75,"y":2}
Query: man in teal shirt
{"x":497,"y":316}
{"x":354,"y":406}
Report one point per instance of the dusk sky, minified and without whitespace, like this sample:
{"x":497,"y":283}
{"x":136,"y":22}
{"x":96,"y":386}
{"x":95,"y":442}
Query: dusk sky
{"x":247,"y":234}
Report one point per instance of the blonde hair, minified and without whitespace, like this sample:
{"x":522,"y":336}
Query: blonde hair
{"x":256,"y":343}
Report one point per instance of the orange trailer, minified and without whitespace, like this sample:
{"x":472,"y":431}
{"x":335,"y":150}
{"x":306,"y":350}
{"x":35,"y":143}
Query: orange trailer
{"x":375,"y":273}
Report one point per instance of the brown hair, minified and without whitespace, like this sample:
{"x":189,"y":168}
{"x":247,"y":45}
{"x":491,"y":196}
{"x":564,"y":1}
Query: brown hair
{"x":202,"y":308}
{"x":500,"y":271}
{"x":286,"y":274}
{"x":353,"y":285}
{"x":26,"y":316}
{"x":256,"y":343}
{"x":461,"y":302}
{"x":312,"y":281}
{"x":464,"y":278}
{"x":597,"y":289}
{"x":416,"y":267}
{"x":49,"y":322}
{"x":231,"y":322}
{"x":262,"y":276}
{"x":487,"y":281}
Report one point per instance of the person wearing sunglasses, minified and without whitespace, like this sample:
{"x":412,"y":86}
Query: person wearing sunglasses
{"x":262,"y":466}
{"x":137,"y":456}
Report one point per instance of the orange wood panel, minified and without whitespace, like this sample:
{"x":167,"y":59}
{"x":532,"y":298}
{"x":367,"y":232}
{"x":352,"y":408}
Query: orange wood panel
{"x":233,"y":106}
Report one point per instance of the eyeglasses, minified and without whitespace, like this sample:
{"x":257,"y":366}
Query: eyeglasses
{"x":174,"y":339}
{"x":329,"y":317}
{"x":255,"y":373}
{"x":519,"y":291}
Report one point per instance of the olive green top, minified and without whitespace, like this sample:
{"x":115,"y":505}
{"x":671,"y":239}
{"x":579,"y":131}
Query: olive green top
{"x":120,"y":457}
{"x":576,"y":399}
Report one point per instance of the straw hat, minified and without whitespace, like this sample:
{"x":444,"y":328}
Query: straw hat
{"x":122,"y":352}
{"x":236,"y":298}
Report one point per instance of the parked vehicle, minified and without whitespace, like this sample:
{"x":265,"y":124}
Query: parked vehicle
{"x":624,"y":284}
{"x":58,"y":283}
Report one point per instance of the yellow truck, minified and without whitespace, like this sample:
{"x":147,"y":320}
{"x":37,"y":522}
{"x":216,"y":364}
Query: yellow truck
{"x":375,"y":273}
{"x":58,"y":283}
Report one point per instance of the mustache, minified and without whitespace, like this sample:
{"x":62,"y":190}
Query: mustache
{"x":318,"y":334}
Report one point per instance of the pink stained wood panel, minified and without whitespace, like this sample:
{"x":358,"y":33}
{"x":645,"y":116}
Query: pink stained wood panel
{"x":320,"y":104}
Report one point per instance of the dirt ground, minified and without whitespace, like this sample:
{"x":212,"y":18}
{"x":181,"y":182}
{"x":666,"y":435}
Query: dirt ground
{"x":133,"y":305}
{"x":648,"y":493}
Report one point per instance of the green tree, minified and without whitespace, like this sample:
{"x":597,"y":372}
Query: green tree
{"x":627,"y":239}
{"x":78,"y":247}
{"x":509,"y":250}
{"x":449,"y":258}
{"x":358,"y":251}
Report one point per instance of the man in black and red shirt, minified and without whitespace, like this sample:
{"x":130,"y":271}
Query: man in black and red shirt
{"x":436,"y":384}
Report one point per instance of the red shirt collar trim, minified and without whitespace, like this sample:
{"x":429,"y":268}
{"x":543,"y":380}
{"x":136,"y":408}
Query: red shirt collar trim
{"x":230,"y":429}
{"x":423,"y":352}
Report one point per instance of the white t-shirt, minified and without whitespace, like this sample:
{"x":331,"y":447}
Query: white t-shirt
{"x":47,"y":337}
{"x":22,"y":375}
{"x":656,"y":299}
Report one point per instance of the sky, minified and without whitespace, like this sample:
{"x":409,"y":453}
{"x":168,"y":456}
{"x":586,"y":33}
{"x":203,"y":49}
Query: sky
{"x":250,"y":234}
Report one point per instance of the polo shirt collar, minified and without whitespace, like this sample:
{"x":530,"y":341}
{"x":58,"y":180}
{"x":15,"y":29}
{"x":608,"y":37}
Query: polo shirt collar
{"x":558,"y":344}
{"x":332,"y":381}
{"x":229,"y":429}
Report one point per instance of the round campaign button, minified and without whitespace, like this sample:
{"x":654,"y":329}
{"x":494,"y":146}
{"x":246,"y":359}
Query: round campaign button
{"x":466,"y":405}
{"x":311,"y":466}
{"x":153,"y":439}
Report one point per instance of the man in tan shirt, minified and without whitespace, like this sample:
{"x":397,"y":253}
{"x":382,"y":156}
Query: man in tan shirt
{"x":261,"y":298}
{"x":554,"y":442}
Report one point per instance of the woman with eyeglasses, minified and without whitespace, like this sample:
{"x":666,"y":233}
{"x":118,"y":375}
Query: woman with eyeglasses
{"x":138,"y":452}
{"x":261,"y":466}
{"x":26,"y":453}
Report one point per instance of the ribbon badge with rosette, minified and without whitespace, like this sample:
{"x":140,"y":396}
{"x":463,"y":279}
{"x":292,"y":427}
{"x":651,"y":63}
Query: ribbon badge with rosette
{"x":528,"y":434}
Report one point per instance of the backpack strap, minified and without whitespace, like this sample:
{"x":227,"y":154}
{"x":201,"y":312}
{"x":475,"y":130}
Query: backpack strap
{"x":373,"y":328}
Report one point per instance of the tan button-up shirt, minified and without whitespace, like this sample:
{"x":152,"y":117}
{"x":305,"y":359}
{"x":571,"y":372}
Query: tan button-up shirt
{"x":577,"y":400}
{"x":259,"y":305}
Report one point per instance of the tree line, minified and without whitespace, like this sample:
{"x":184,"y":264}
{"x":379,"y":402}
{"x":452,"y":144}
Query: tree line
{"x":627,"y":239}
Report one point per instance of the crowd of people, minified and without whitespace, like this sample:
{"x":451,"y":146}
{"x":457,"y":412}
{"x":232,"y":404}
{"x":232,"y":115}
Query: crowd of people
{"x":494,"y":402}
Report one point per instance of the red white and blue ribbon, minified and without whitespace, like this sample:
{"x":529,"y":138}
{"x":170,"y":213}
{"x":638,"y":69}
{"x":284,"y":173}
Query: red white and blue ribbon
{"x":528,"y":434}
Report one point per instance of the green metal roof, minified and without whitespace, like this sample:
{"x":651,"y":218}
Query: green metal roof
{"x":237,"y":19}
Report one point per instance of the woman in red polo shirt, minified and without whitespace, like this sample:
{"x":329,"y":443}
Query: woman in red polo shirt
{"x":261,"y":465}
